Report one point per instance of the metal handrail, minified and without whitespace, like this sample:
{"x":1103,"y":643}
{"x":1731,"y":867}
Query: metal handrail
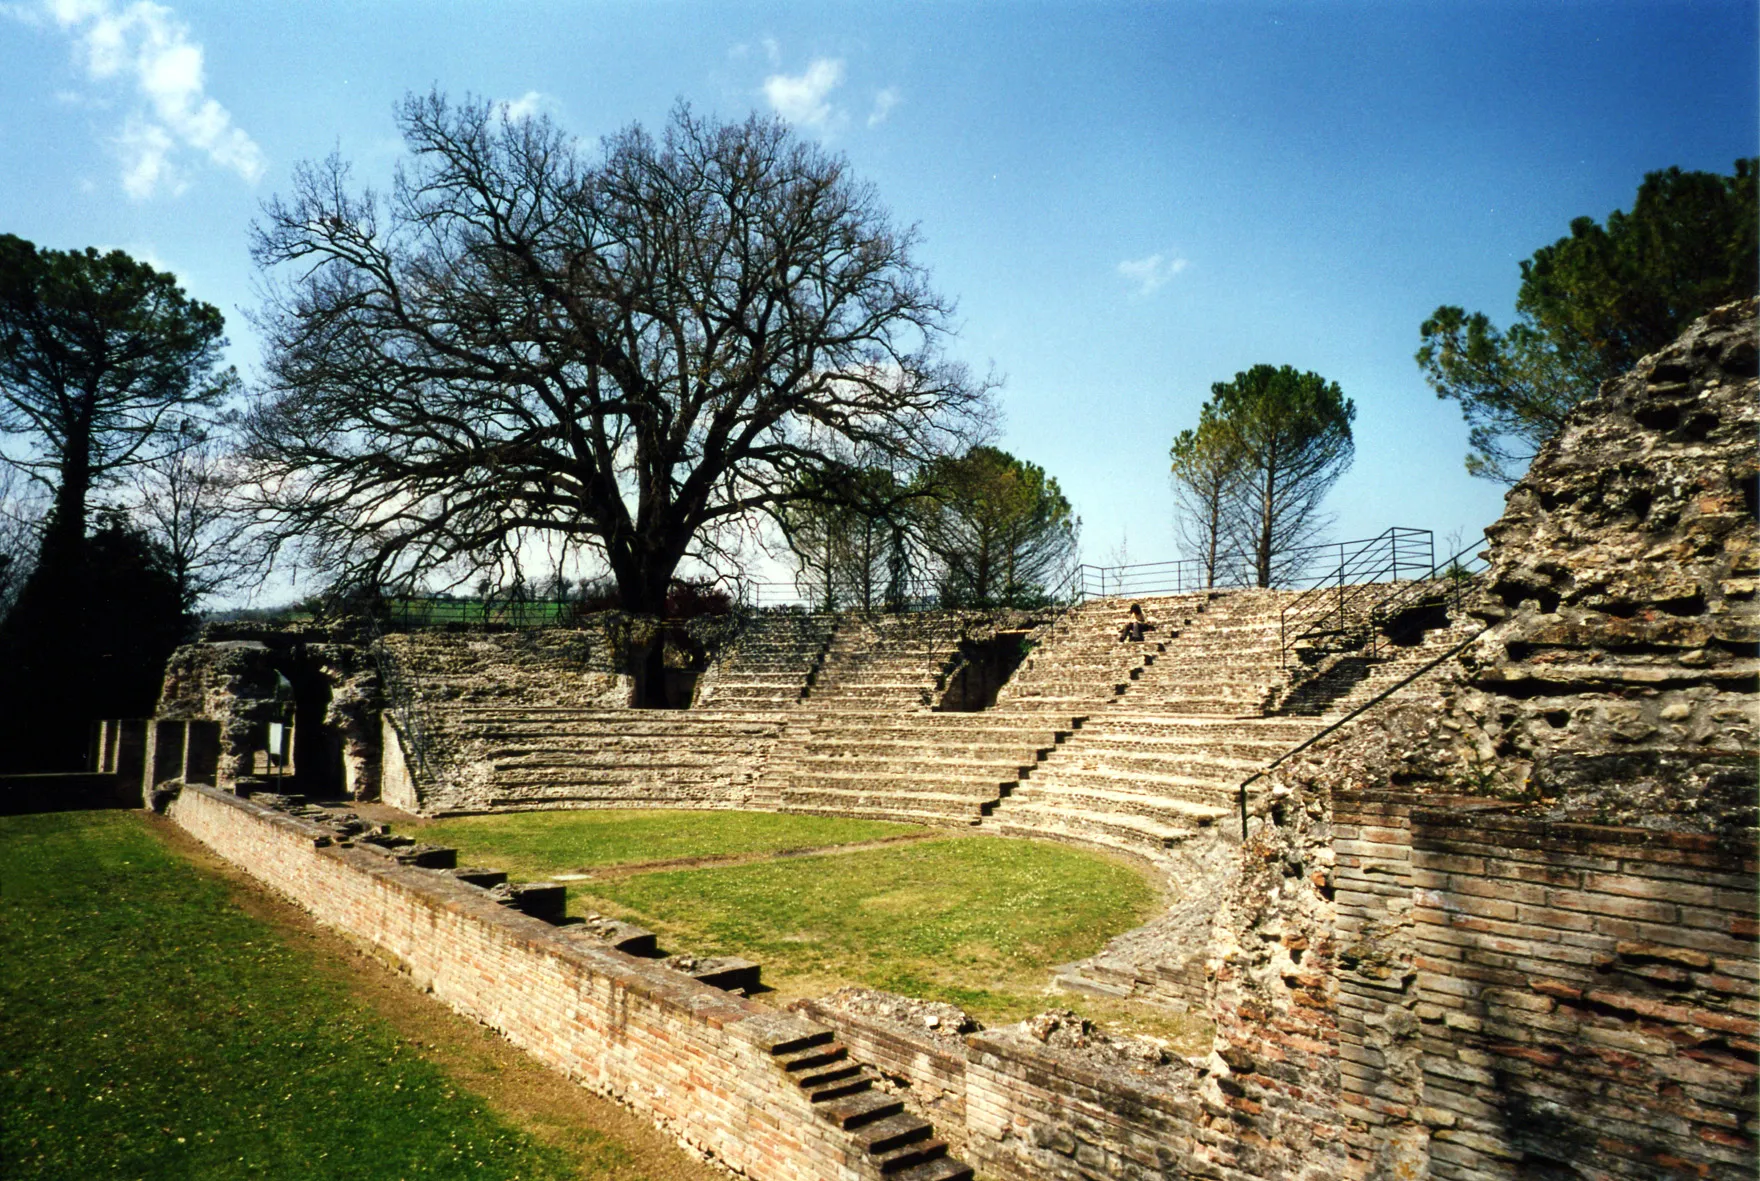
{"x":1348,"y":718}
{"x":1340,"y":600}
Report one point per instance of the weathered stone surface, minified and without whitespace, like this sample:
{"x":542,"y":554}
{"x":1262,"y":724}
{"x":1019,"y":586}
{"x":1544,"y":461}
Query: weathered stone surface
{"x":1472,"y":940}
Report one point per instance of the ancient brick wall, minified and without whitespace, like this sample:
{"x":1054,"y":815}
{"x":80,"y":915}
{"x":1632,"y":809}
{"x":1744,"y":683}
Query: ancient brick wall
{"x":1588,"y":997}
{"x":1524,"y":889}
{"x":698,"y":1060}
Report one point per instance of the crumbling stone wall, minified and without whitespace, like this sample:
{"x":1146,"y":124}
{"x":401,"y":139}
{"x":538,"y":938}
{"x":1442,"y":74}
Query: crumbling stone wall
{"x":1532,"y":951}
{"x":234,"y":675}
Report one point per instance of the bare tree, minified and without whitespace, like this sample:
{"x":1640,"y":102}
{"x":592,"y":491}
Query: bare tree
{"x":858,"y":541}
{"x":1206,"y":468}
{"x":637,"y":352}
{"x":20,"y":524}
{"x":188,"y":501}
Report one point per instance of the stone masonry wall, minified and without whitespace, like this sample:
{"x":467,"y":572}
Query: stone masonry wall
{"x":699,"y":1060}
{"x":1587,"y":995}
{"x":1523,"y":891}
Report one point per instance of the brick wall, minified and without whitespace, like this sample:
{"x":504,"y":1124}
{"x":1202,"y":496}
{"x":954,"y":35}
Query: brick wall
{"x":1588,"y":997}
{"x":1525,"y":998}
{"x":696,"y":1059}
{"x":1020,"y":1110}
{"x":1035,"y":1115}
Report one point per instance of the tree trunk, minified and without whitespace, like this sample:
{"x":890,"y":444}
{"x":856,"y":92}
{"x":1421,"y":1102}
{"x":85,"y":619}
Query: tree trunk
{"x":64,"y":539}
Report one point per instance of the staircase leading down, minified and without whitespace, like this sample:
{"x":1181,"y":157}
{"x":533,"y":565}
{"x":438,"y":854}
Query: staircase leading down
{"x":1164,"y":761}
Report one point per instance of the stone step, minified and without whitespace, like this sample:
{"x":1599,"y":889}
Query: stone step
{"x":1095,"y":754}
{"x":927,"y":807}
{"x":952,"y":785}
{"x":1179,"y":812}
{"x":1111,"y":829}
{"x":602,"y":760}
{"x":917,"y":747}
{"x":893,"y":1163}
{"x":864,"y":1108}
{"x":892,"y":1133}
{"x":930,"y":768}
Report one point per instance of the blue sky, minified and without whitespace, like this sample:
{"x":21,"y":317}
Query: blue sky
{"x":1129,"y":201}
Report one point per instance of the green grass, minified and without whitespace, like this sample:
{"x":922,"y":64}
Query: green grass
{"x":976,"y":921}
{"x":149,"y":1028}
{"x":532,"y":845}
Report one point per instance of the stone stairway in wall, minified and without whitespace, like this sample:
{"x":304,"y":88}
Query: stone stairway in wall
{"x":533,"y":757}
{"x":868,"y":740}
{"x":518,"y":722}
{"x":1164,"y":761}
{"x":1161,"y":762}
{"x":772,"y":665}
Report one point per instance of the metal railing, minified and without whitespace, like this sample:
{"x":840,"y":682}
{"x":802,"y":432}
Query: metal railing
{"x":1355,"y":713}
{"x":1332,"y":613}
{"x":1374,"y":583}
{"x":413,"y":611}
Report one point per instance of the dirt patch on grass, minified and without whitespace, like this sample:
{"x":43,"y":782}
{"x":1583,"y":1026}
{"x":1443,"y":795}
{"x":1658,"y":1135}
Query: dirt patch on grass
{"x":530,"y":1096}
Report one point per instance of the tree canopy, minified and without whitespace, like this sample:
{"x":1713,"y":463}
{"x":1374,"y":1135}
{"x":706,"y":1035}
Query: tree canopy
{"x":637,"y":351}
{"x":1590,"y":306}
{"x":1000,"y":527}
{"x":101,"y":359}
{"x":1251,"y":478}
{"x":858,"y":542}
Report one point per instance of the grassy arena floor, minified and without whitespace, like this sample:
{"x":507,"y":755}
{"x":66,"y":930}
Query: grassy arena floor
{"x":977,"y":921}
{"x":150,"y":1028}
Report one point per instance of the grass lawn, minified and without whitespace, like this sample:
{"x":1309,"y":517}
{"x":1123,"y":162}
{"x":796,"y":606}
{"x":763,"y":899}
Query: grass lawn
{"x":977,"y":921}
{"x":150,"y":1028}
{"x":532,"y":845}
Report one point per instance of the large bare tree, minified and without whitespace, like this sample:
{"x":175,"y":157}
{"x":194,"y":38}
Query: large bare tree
{"x":1206,"y":468}
{"x":639,"y":349}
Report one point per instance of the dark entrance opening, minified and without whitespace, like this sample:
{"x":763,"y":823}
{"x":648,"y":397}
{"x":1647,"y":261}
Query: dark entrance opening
{"x":984,"y":667}
{"x":666,"y":671}
{"x":317,"y":747}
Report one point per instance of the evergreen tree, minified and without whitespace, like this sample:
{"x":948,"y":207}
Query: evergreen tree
{"x":1590,"y":305}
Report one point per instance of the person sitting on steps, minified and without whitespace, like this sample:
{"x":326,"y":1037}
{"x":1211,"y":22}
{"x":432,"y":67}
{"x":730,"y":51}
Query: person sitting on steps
{"x":1135,"y":626}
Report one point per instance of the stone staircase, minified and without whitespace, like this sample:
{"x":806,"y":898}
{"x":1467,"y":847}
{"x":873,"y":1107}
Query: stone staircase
{"x":868,"y":742}
{"x":1343,"y":683}
{"x":1129,"y":745}
{"x":1163,"y":762}
{"x":533,"y":757}
{"x":519,"y":720}
{"x":773,"y":663}
{"x":892,"y":1142}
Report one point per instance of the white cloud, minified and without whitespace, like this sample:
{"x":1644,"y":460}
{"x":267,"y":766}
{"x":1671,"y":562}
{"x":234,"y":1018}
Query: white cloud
{"x":527,"y":105}
{"x":1153,"y":273}
{"x":146,"y":151}
{"x":883,"y":104}
{"x":803,"y":99}
{"x":144,"y":44}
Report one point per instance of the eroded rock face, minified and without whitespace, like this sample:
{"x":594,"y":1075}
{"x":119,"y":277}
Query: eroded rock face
{"x":1615,"y":685}
{"x":1620,"y":679}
